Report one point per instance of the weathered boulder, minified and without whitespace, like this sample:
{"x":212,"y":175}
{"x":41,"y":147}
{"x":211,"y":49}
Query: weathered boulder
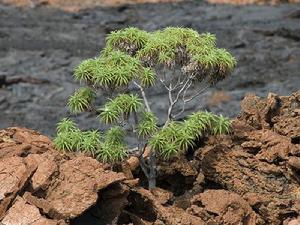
{"x":257,"y":162}
{"x":22,"y":213}
{"x":22,"y":142}
{"x":250,"y":176}
{"x":223,"y":207}
{"x":77,"y":186}
{"x":15,"y":173}
{"x":61,"y":186}
{"x":148,"y":207}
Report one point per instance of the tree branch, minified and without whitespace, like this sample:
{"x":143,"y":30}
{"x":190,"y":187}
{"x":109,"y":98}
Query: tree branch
{"x":144,"y":96}
{"x":190,"y":99}
{"x":185,"y":86}
{"x":145,"y":167}
{"x":199,"y":92}
{"x":163,"y":82}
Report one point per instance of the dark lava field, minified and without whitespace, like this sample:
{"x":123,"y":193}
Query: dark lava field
{"x":39,"y":48}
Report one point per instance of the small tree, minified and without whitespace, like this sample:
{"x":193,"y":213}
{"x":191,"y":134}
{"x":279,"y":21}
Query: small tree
{"x":131,"y":62}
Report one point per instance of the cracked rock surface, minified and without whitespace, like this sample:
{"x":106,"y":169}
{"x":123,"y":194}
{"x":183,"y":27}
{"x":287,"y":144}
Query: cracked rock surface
{"x":249,"y":177}
{"x":44,"y":182}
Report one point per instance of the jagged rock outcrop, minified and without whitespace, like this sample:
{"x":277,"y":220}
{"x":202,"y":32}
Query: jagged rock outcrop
{"x":223,"y":207}
{"x":41,"y":179}
{"x":249,"y":177}
{"x":257,"y":161}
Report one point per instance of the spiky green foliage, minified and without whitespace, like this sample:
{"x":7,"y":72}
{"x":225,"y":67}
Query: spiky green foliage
{"x":197,"y":53}
{"x":120,"y":106}
{"x":113,"y":148}
{"x":129,"y":39}
{"x":110,"y":148}
{"x":81,"y":100}
{"x":148,"y":77}
{"x":220,"y":125}
{"x":148,"y":125}
{"x":68,"y":141}
{"x":114,"y":69}
{"x":70,"y":138}
{"x":177,"y":137}
{"x":66,"y":125}
{"x":85,"y":70}
{"x":90,"y":142}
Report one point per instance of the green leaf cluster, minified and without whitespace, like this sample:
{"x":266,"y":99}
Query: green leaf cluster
{"x":85,"y":70}
{"x":120,"y":107}
{"x":108,"y":148}
{"x":113,"y":69}
{"x":177,"y":137}
{"x":148,"y":125}
{"x":81,"y":100}
{"x":113,"y":148}
{"x":129,"y":39}
{"x":185,"y":46}
{"x":70,"y":138}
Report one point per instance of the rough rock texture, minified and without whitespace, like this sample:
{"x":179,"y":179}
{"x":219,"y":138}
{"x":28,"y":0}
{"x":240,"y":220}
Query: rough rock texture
{"x":40,"y":47}
{"x":77,"y":186}
{"x":259,"y":164}
{"x":223,"y":207}
{"x":149,"y":207}
{"x":41,"y":179}
{"x":249,"y":177}
{"x":15,"y":172}
{"x":250,"y":2}
{"x":22,"y":213}
{"x":76,"y":5}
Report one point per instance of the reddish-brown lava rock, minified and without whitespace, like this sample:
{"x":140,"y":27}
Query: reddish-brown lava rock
{"x":111,"y":203}
{"x":255,"y":169}
{"x":77,"y":5}
{"x":287,"y":123}
{"x":243,"y":173}
{"x":178,"y":174}
{"x":250,"y":2}
{"x":22,"y":142}
{"x":14,"y":174}
{"x":294,"y":221}
{"x":146,"y":206}
{"x":22,"y":213}
{"x":257,"y":164}
{"x":265,"y":113}
{"x":77,"y":186}
{"x":61,"y":186}
{"x":258,"y":112}
{"x":289,"y":127}
{"x":42,"y":177}
{"x":294,"y":162}
{"x":226,"y":208}
{"x":31,"y":137}
{"x":273,"y":147}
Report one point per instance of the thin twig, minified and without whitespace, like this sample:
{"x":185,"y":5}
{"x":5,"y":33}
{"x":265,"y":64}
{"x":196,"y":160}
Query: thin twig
{"x":198,"y":93}
{"x":144,"y":96}
{"x":190,"y":99}
{"x":185,"y":86}
{"x":163,"y":82}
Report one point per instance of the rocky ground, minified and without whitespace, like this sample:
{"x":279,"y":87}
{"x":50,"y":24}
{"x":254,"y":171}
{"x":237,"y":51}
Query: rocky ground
{"x":249,"y":177}
{"x":76,"y":5}
{"x":39,"y":47}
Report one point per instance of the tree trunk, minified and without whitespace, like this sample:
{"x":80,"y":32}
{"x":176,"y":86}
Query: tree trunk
{"x":152,"y":171}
